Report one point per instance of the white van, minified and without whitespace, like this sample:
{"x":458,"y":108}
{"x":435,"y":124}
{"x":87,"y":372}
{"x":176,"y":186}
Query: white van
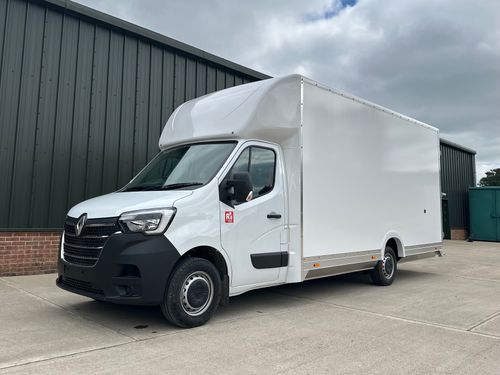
{"x":272,"y":182}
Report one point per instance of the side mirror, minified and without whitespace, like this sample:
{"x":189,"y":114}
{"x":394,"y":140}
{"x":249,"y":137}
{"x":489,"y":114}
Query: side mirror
{"x":240,"y":187}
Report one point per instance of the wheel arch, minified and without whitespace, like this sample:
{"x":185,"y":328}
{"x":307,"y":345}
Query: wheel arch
{"x":393,"y":240}
{"x":211,"y":254}
{"x":220,"y":262}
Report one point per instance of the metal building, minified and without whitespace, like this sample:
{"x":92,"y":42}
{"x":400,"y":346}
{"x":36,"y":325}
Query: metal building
{"x":458,"y":173}
{"x":83,"y":98}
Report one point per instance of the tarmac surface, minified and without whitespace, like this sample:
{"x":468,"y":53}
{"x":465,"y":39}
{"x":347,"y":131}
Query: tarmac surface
{"x":441,"y":316}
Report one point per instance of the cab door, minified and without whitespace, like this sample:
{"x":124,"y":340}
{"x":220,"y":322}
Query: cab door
{"x":251,"y":227}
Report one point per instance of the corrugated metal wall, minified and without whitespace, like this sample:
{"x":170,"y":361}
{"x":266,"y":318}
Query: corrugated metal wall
{"x":83,"y":99}
{"x":82,"y":105}
{"x":458,"y":173}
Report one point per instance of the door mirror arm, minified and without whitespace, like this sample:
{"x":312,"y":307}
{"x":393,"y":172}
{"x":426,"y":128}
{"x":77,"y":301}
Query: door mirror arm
{"x":239,"y":188}
{"x":229,"y":190}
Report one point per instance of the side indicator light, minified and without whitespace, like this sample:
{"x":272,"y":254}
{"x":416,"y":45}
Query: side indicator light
{"x":374,"y":257}
{"x":316,"y":265}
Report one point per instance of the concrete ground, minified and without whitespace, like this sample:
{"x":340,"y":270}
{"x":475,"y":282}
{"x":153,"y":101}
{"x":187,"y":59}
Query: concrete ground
{"x":441,"y":316}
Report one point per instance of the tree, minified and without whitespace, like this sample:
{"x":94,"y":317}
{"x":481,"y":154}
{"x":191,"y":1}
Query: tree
{"x":492,"y":178}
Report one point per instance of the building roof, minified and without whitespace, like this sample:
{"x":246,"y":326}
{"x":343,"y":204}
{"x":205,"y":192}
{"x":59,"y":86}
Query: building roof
{"x":78,"y":10}
{"x":457,"y":146}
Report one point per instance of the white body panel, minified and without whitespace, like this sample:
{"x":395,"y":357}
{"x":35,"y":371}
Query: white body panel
{"x":267,"y":110}
{"x":368,"y":174}
{"x":114,"y":204}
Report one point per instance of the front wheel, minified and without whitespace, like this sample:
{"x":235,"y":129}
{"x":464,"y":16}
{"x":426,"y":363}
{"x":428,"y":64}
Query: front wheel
{"x":193,"y":293}
{"x":385,"y":270}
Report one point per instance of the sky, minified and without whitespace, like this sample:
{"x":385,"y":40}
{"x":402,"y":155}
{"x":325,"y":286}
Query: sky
{"x":436,"y":60}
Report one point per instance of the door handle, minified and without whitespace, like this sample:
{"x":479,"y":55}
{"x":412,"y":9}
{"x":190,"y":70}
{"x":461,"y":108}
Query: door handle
{"x":273,"y":215}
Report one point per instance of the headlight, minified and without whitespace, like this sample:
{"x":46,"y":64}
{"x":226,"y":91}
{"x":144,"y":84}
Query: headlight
{"x":147,"y":221}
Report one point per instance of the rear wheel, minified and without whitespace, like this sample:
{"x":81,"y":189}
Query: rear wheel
{"x":385,"y":270}
{"x":193,"y":293}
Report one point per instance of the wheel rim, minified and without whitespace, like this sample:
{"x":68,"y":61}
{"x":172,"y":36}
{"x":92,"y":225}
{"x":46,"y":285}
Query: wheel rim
{"x":387,"y":266}
{"x":197,"y":293}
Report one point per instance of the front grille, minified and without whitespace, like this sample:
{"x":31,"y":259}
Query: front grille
{"x":85,"y":249}
{"x":81,"y":285}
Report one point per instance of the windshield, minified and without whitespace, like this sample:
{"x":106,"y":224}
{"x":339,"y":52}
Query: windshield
{"x":185,"y":166}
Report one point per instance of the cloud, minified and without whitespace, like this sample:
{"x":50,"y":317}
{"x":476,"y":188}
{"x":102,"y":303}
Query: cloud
{"x":332,"y":10}
{"x":437,"y":61}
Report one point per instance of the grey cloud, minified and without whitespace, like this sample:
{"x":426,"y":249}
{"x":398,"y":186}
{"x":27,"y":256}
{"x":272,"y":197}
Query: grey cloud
{"x":437,"y":61}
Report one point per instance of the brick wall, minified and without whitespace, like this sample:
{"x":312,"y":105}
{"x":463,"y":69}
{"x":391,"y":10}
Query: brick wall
{"x":28,"y":253}
{"x":459,"y":234}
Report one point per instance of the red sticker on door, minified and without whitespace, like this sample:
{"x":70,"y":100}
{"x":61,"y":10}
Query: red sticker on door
{"x":229,"y":217}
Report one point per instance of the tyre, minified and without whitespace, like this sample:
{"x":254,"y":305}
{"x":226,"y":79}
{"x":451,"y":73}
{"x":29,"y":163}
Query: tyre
{"x":192,"y":293}
{"x":385,"y":270}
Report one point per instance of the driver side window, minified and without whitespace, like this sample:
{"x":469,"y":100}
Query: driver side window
{"x":255,"y":170}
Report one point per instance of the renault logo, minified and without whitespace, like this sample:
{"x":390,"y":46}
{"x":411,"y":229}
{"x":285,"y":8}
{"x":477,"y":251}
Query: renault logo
{"x":80,"y":224}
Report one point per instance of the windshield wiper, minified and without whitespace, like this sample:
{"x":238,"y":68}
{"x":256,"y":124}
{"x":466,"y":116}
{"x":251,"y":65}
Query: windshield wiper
{"x":163,"y":187}
{"x":180,"y":185}
{"x":143,"y":188}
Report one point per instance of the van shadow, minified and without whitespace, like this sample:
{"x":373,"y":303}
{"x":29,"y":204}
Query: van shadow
{"x":124,"y":318}
{"x":148,"y":320}
{"x":299,"y":295}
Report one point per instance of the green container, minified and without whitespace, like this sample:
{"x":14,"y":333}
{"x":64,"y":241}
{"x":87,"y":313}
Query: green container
{"x":484,"y":208}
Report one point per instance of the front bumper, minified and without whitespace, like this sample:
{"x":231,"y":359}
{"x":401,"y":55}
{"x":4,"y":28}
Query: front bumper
{"x":132,"y":269}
